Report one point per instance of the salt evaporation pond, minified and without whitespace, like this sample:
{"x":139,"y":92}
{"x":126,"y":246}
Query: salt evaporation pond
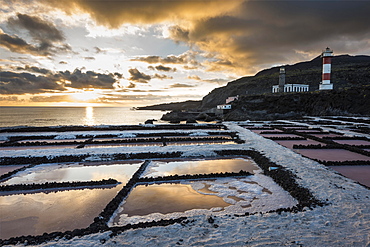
{"x":254,"y":193}
{"x":326,"y":135}
{"x":332,"y":154}
{"x":268,"y":130}
{"x":36,"y":213}
{"x":203,"y":166}
{"x":290,"y":143}
{"x":280,"y":135}
{"x":6,"y":169}
{"x":114,"y":145}
{"x":353,"y":142}
{"x":38,"y":147}
{"x":144,"y":200}
{"x":54,"y":140}
{"x":185,"y":143}
{"x":75,"y":172}
{"x":360,"y":174}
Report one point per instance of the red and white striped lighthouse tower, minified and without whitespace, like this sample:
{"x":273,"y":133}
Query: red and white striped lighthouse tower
{"x":326,"y":67}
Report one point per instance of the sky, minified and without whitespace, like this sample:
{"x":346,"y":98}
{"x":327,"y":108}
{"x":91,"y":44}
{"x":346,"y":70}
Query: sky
{"x":144,"y":52}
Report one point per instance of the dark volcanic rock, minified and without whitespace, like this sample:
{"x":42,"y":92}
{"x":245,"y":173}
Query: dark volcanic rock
{"x":353,"y":101}
{"x":191,"y":121}
{"x":149,"y":121}
{"x":205,"y":117}
{"x":176,"y":116}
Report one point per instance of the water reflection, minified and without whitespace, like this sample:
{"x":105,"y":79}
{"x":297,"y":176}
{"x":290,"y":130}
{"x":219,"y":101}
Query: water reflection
{"x":160,"y":168}
{"x":257,"y":193}
{"x":168,"y":198}
{"x":74,"y":172}
{"x":89,"y":116}
{"x":34,"y":214}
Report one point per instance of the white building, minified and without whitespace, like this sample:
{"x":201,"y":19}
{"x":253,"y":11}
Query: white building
{"x":231,"y":99}
{"x":227,"y":106}
{"x":291,"y":88}
{"x":224,"y":107}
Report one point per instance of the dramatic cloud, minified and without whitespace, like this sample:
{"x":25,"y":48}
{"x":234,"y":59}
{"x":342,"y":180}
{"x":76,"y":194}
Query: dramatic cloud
{"x":244,"y":35}
{"x":88,"y":79}
{"x":138,"y":76}
{"x":39,"y":29}
{"x":49,"y":39}
{"x":262,"y":33}
{"x":162,"y":68}
{"x":35,"y":69}
{"x":22,"y":83}
{"x":181,"y":41}
{"x":16,"y":44}
{"x":185,"y":58}
{"x":115,"y":13}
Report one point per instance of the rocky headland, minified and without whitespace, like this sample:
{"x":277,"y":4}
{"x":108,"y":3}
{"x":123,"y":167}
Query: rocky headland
{"x":350,"y":76}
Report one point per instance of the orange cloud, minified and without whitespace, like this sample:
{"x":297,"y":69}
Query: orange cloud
{"x":115,"y":13}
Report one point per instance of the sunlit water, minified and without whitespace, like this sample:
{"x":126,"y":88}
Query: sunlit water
{"x":74,"y":172}
{"x":36,"y":213}
{"x":167,"y":168}
{"x":256,"y":193}
{"x":54,"y":116}
{"x":168,"y":198}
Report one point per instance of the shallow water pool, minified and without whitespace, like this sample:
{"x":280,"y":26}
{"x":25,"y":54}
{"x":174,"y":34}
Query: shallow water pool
{"x":200,"y":166}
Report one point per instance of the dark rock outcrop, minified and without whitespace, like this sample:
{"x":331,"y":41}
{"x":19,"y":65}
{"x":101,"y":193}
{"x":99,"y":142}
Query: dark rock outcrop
{"x":177,"y":116}
{"x":353,"y":101}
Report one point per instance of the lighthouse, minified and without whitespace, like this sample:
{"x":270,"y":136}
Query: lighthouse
{"x":326,"y":68}
{"x":281,"y":79}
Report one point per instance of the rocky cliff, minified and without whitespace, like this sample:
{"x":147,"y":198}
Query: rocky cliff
{"x":352,"y":101}
{"x":347,"y":71}
{"x":350,"y":76}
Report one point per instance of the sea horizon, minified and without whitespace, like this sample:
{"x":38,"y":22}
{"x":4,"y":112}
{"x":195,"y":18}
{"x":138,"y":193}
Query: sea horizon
{"x":13,"y":116}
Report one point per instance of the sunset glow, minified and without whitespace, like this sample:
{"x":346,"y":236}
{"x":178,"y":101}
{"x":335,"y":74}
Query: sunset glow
{"x":85,"y":96}
{"x":135,"y":53}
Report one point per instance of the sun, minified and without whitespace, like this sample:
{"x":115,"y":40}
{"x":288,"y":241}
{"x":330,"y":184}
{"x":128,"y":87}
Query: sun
{"x":84,"y":96}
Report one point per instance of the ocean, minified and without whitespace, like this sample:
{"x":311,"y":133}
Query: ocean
{"x":54,"y":116}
